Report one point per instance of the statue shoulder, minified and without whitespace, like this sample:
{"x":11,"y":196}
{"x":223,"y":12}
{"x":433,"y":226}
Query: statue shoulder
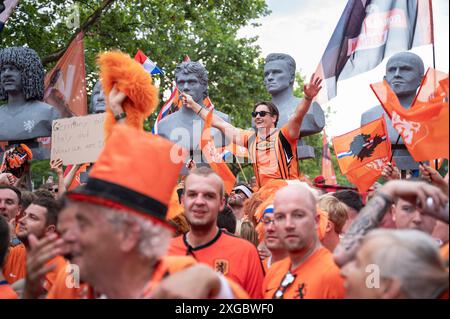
{"x":222,"y":115}
{"x":372,"y":114}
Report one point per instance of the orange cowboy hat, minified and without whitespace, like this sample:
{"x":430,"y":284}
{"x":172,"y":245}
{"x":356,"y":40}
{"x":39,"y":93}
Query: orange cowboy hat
{"x":134,"y":172}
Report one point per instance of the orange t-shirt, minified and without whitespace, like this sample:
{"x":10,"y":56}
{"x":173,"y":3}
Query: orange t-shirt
{"x":15,"y":264}
{"x":66,"y":287}
{"x":274,"y":157}
{"x":6,"y":292}
{"x":318,"y":277}
{"x":234,"y":257}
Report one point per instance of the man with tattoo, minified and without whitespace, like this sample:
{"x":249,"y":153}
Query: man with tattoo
{"x":431,"y":201}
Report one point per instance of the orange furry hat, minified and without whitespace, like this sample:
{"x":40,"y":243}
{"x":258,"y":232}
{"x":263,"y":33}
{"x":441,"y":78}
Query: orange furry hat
{"x":132,"y":79}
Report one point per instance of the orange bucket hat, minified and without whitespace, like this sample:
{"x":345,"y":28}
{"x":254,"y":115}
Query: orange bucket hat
{"x":134,"y":172}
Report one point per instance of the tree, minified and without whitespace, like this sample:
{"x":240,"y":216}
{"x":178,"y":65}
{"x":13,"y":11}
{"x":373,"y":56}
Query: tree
{"x":166,"y":30}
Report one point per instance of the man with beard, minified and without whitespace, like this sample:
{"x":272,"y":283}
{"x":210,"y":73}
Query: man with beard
{"x":309,"y":272}
{"x":234,"y":257}
{"x":39,"y":221}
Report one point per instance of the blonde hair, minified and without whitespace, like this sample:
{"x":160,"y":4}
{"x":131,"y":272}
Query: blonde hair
{"x":337,"y":211}
{"x":248,"y":232}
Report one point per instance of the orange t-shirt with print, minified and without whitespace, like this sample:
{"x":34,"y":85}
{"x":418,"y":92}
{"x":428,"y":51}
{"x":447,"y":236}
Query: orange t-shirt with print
{"x":14,"y":267}
{"x":236,"y":258}
{"x":274,"y":157}
{"x":318,"y":277}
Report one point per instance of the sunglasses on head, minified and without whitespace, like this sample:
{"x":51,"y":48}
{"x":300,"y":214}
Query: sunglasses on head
{"x":261,"y":113}
{"x":288,"y":279}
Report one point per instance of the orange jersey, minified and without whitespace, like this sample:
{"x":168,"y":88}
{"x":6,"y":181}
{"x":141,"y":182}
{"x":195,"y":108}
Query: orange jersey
{"x":6,"y":292}
{"x":318,"y":277}
{"x":274,"y":157}
{"x":15,"y":264}
{"x":234,"y":257}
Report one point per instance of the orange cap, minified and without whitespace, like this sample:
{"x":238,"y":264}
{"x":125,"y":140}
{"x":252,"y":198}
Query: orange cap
{"x":134,"y":172}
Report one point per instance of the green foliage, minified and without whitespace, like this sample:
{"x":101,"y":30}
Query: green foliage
{"x":166,"y":31}
{"x":40,"y":172}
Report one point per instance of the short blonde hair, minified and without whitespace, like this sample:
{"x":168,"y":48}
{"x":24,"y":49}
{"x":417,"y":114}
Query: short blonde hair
{"x":337,"y":211}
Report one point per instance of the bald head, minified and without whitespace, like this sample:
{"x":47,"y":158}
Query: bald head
{"x":296,"y":194}
{"x":404,"y":73}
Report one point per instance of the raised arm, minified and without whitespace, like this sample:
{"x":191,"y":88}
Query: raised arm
{"x":226,"y":128}
{"x":295,"y":122}
{"x":430,"y":199}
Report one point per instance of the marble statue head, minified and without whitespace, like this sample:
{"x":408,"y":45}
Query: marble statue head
{"x":279,"y":72}
{"x":21,"y":69}
{"x":192,"y":78}
{"x":404,"y":73}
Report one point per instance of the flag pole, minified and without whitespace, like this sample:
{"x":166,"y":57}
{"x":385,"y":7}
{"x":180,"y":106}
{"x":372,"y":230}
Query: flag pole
{"x":436,"y":161}
{"x":242,"y":171}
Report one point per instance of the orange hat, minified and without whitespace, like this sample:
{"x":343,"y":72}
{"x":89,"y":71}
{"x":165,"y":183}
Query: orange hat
{"x":134,"y":172}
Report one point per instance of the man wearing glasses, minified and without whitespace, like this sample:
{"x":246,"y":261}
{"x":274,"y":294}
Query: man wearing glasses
{"x":272,"y":151}
{"x":309,"y":272}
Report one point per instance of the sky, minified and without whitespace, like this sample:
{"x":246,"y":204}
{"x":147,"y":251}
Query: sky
{"x":302,"y":29}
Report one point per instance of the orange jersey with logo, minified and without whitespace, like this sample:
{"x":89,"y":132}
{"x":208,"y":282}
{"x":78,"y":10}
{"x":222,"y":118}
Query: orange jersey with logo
{"x":6,"y":292}
{"x":318,"y":277}
{"x":234,"y":257}
{"x":274,"y":157}
{"x":14,"y":267}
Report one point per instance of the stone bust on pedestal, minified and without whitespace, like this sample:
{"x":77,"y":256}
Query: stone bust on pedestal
{"x":404,"y":73}
{"x":279,"y":78}
{"x":24,"y":117}
{"x":184,"y":127}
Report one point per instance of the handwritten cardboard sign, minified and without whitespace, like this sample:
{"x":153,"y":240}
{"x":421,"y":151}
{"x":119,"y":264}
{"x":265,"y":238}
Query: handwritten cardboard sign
{"x":78,"y":140}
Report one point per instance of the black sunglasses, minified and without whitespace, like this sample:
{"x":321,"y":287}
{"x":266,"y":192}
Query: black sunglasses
{"x":288,"y":279}
{"x":261,"y":113}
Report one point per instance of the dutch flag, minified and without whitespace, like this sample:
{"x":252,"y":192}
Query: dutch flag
{"x":148,"y":64}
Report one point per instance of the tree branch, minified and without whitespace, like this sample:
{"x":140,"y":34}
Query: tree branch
{"x":84,"y":27}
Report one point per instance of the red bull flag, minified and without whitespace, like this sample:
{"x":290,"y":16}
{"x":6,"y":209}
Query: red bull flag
{"x":65,"y":84}
{"x":424,"y":127}
{"x":327,"y":165}
{"x":369,"y":31}
{"x":214,"y":157}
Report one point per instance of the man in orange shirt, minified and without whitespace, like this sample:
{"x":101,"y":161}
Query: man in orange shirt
{"x":40,"y":220}
{"x":234,"y":257}
{"x":271,"y":240}
{"x":6,"y":292}
{"x":309,"y":272}
{"x":272,"y":151}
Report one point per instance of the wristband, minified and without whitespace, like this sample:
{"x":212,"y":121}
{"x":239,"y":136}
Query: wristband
{"x":198,"y":112}
{"x":308,"y":98}
{"x":120,"y":116}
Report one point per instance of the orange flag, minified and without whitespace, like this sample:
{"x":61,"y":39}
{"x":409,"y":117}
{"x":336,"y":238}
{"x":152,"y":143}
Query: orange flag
{"x":65,"y":84}
{"x":365,"y":176}
{"x":425,"y":126}
{"x":362,"y":146}
{"x":214,"y":158}
{"x":363,"y":153}
{"x":327,"y":166}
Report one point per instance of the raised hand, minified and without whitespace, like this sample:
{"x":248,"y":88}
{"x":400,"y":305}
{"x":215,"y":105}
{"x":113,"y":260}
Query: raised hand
{"x":312,"y":88}
{"x":390,"y":172}
{"x":188,"y":101}
{"x":56,"y":166}
{"x":115,"y":100}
